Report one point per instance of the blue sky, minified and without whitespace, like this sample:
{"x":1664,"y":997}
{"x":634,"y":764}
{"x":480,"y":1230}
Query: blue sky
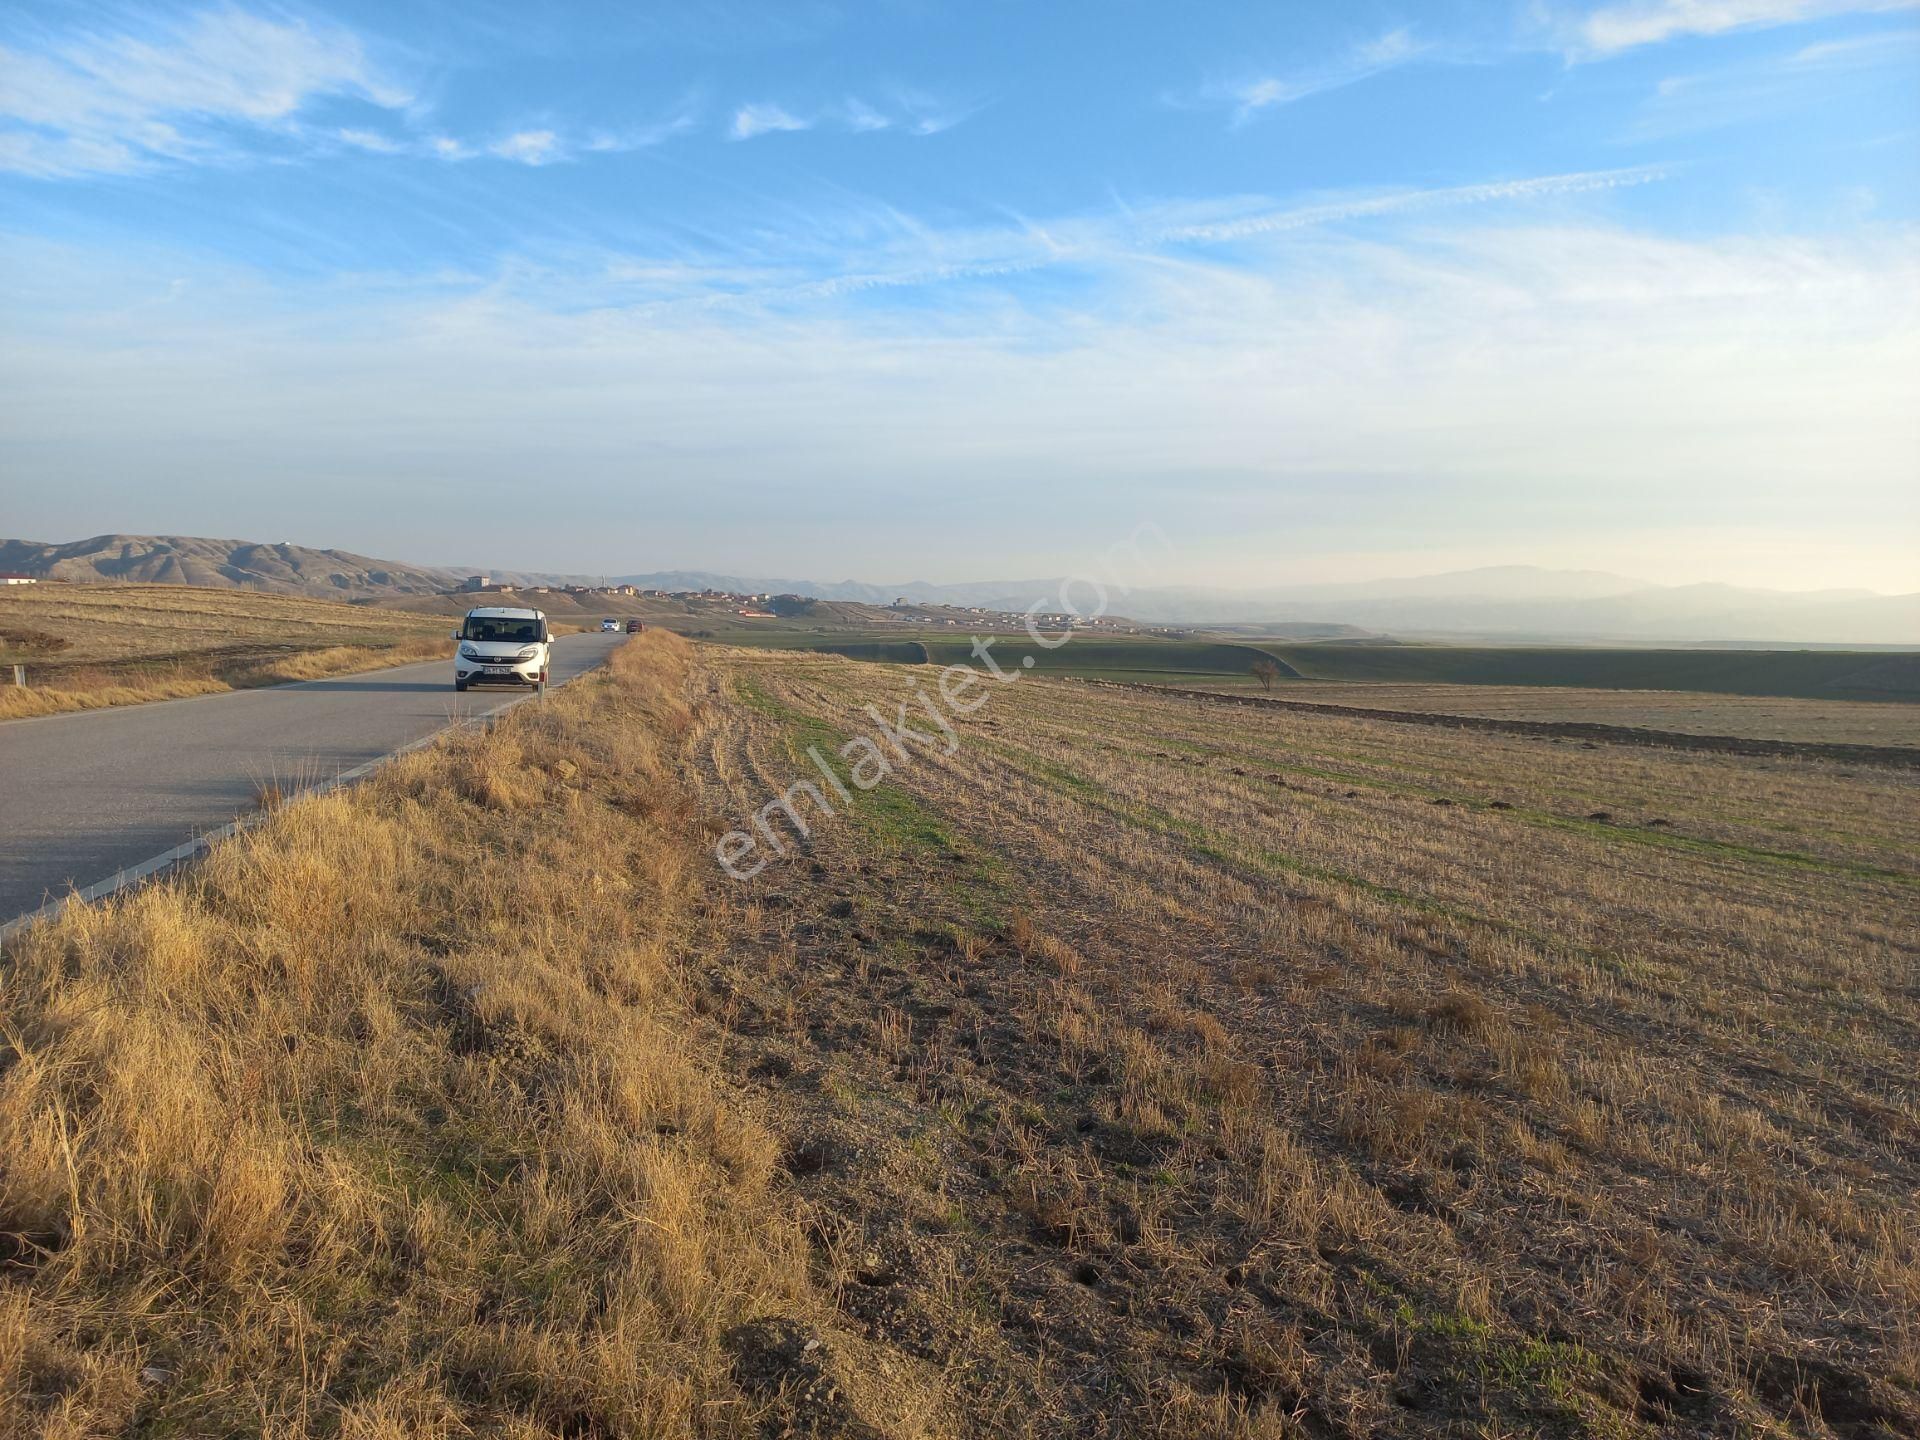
{"x":943,"y":290}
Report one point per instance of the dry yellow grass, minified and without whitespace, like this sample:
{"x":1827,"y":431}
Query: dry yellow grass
{"x":89,"y":646}
{"x":385,"y":1121}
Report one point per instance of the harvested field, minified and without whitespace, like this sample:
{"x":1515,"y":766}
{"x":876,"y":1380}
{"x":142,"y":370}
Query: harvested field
{"x":1872,"y":675}
{"x":1559,"y":731}
{"x":1846,"y":722}
{"x":1178,"y":1069}
{"x":88,"y":646}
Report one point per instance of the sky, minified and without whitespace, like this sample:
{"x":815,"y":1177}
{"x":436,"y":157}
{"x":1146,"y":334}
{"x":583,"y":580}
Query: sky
{"x":925,"y":289}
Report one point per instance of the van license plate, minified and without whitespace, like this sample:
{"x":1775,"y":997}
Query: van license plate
{"x":499,"y":670}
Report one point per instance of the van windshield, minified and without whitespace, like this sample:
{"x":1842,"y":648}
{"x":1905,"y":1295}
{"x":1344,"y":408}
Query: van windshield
{"x":503,"y":629}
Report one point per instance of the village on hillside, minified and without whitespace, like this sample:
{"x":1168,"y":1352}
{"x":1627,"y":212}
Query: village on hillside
{"x":763,"y":605}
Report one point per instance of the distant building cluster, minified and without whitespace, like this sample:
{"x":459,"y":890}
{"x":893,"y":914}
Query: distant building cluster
{"x":745,"y":604}
{"x":764,"y":605}
{"x":928,"y":613}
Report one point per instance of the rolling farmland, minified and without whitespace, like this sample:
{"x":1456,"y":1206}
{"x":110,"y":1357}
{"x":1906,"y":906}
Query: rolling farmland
{"x":1120,"y":1063}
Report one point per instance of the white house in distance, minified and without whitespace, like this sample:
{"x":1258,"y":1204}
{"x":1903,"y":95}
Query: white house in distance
{"x":16,"y":577}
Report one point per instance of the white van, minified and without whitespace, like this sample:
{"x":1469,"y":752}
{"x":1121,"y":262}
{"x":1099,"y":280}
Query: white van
{"x":502,"y":645}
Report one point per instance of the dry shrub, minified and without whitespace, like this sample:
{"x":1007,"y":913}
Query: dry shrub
{"x":491,"y":771}
{"x":337,"y":660}
{"x":1021,"y":933}
{"x":98,"y":689}
{"x":1064,"y":959}
{"x":1230,"y":1083}
{"x":1459,"y":1012}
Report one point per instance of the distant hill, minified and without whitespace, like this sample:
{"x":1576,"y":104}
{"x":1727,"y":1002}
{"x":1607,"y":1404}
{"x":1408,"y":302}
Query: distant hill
{"x":233,"y":564}
{"x":283,"y":568}
{"x":1504,"y":604}
{"x":1507,"y":603}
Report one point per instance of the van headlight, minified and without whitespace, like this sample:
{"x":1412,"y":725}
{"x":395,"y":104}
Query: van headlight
{"x":532,"y":652}
{"x":467,"y":652}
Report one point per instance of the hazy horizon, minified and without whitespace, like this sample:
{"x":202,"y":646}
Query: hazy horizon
{"x":1342,"y":293}
{"x":1110,"y":571}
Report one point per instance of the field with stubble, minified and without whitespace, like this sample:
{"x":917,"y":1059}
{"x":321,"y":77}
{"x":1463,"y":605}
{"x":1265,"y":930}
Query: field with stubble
{"x":89,"y":646}
{"x":1162,"y":1066}
{"x":1148,"y":1065}
{"x":1888,"y":723}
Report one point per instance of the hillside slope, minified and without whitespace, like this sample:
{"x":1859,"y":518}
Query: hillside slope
{"x":236,"y":564}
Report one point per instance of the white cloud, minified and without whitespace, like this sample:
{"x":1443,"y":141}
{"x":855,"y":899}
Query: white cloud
{"x":529,"y":147}
{"x":927,"y":114}
{"x":1545,"y":383}
{"x":1248,"y":97}
{"x":685,"y":117}
{"x":861,"y":117}
{"x":1772,"y":85}
{"x":113,"y":102}
{"x":1392,"y":48}
{"x":910,"y":112}
{"x":1869,"y":49}
{"x":1614,"y":28}
{"x":1359,"y":207}
{"x":370,"y":140}
{"x":763,"y":119}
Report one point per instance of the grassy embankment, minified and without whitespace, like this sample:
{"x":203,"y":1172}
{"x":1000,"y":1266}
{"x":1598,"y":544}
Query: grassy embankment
{"x":388,"y":1120}
{"x":88,"y":646}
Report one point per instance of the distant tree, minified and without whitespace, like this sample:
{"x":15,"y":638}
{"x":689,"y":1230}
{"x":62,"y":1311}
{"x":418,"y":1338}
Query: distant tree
{"x":1266,"y":672}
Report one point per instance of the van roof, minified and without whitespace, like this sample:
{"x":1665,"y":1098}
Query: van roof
{"x":508,"y":612}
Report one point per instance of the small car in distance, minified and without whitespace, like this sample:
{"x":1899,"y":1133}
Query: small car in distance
{"x":502,"y":645}
{"x":634,"y":627}
{"x":613,"y":625}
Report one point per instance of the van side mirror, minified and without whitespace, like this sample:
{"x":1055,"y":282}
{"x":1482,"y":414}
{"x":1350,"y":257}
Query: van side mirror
{"x":454,"y":635}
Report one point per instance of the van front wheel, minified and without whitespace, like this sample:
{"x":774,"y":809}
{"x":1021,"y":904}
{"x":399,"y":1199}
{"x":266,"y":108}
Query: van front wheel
{"x":459,"y":685}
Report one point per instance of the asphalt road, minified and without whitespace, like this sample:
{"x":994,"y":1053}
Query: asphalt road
{"x":86,"y":795}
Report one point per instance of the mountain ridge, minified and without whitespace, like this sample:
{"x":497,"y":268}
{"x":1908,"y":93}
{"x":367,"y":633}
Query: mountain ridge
{"x":1514,"y":603}
{"x":1490,"y":602}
